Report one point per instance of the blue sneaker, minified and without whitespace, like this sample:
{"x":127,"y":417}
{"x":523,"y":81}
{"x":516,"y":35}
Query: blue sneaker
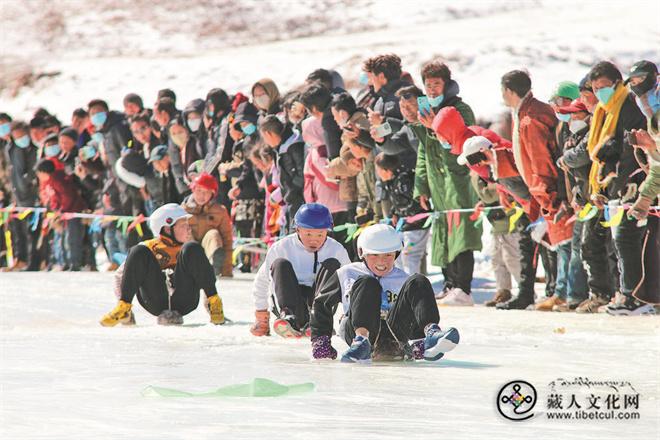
{"x":359,"y":351}
{"x":437,"y":342}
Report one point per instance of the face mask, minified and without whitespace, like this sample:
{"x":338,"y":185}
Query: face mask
{"x":5,"y":129}
{"x":23,"y":141}
{"x":180,"y":139}
{"x":97,"y":137}
{"x":209,"y":113}
{"x":262,"y":101}
{"x":99,"y":119}
{"x":87,"y":152}
{"x":194,"y":124}
{"x":445,"y":145}
{"x":576,"y":125}
{"x":652,"y":99}
{"x":52,"y":150}
{"x":605,"y":94}
{"x":364,"y":78}
{"x":249,"y":129}
{"x":436,"y":101}
{"x":563,"y":117}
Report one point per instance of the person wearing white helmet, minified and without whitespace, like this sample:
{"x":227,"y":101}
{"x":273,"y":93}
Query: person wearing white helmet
{"x":166,"y":273}
{"x":292,"y":271}
{"x":383,"y":307}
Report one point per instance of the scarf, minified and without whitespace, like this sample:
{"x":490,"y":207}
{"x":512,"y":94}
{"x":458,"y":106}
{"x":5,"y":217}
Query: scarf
{"x":603,"y":127}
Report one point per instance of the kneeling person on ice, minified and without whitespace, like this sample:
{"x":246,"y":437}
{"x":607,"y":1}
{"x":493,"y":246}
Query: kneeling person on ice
{"x":293,"y":270}
{"x":384,"y":307}
{"x":166,"y":273}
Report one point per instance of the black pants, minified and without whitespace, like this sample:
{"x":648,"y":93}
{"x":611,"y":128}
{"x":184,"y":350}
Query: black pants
{"x":628,"y":241}
{"x":595,"y":254}
{"x":413,"y":309}
{"x":459,"y":272}
{"x":340,"y":218}
{"x":143,"y":276}
{"x":549,"y":260}
{"x":296,"y":298}
{"x":527,"y":260}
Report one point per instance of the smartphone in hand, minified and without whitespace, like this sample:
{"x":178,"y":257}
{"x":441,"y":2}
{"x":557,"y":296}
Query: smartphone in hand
{"x":382,"y":130}
{"x":423,"y":105}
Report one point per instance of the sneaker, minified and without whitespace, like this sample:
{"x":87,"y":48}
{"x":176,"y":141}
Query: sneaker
{"x":456,"y":298}
{"x":120,"y":314}
{"x":518,"y":303}
{"x":591,"y":304}
{"x":549,"y":303}
{"x":444,"y":292}
{"x":630,"y":307}
{"x":170,"y":317}
{"x":286,"y":327}
{"x":16,"y":267}
{"x":501,"y":296}
{"x":566,"y":307}
{"x":214,"y":308}
{"x":359,"y":351}
{"x":387,"y":350}
{"x":437,"y":342}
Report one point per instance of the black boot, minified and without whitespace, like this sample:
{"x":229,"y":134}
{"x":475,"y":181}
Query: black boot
{"x":521,"y":302}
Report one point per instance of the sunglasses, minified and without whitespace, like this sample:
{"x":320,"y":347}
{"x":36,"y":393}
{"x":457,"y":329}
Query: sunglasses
{"x":476,"y":158}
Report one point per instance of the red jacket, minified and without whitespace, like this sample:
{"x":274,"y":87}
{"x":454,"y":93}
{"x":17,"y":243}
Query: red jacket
{"x":538,"y":151}
{"x":64,"y":196}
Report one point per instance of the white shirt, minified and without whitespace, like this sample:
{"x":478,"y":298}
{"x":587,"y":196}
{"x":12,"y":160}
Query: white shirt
{"x":304,"y":263}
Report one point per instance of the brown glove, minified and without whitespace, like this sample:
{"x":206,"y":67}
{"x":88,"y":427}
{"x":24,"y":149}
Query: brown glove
{"x":261,"y":326}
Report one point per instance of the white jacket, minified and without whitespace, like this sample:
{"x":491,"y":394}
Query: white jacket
{"x":305,"y":264}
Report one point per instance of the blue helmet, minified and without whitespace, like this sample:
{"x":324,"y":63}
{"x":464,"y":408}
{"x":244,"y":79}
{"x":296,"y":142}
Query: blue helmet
{"x":313,"y":216}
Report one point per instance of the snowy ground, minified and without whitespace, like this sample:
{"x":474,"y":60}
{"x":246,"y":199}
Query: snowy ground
{"x":64,"y":376}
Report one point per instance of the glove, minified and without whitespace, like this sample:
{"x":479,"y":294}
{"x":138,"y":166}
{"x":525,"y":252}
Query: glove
{"x":322,"y":349}
{"x":261,"y":326}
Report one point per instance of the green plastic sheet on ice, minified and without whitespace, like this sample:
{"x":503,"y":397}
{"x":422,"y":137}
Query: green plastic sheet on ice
{"x":259,"y":387}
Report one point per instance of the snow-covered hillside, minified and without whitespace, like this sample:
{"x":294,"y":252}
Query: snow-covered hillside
{"x":89,"y":50}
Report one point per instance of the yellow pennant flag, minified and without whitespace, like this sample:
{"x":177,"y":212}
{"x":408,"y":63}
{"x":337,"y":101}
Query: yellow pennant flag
{"x":515,"y":217}
{"x":615,"y":220}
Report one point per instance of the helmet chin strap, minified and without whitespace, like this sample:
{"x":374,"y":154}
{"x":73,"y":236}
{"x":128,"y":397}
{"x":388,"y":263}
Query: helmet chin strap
{"x":170,"y":234}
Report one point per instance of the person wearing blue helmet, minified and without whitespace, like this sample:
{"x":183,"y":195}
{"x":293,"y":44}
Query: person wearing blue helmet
{"x":293,"y":269}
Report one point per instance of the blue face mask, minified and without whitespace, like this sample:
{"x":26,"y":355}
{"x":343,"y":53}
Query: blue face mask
{"x":52,"y":150}
{"x":5,"y":129}
{"x":97,"y":137}
{"x":364,"y":78}
{"x":249,"y":129}
{"x":445,"y":145}
{"x":87,"y":152}
{"x":605,"y":94}
{"x":435,"y":102}
{"x":210,"y":113}
{"x":563,"y":117}
{"x":99,"y":119}
{"x":23,"y":141}
{"x":653,"y":98}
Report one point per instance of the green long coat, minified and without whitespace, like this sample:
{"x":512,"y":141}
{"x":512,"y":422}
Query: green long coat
{"x":439,"y":177}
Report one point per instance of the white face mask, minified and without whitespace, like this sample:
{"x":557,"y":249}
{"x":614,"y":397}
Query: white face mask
{"x":262,"y":101}
{"x":576,"y":125}
{"x":194,"y":124}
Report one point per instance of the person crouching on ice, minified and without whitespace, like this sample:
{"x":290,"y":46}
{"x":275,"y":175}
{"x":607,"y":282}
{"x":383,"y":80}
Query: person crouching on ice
{"x":166,"y":273}
{"x":294,"y":268}
{"x":384,"y":307}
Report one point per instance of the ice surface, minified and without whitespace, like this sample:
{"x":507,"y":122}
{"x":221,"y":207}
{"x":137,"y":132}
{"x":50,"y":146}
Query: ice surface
{"x":63,"y":376}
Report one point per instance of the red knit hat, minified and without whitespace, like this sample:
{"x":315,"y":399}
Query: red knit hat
{"x":206,"y":181}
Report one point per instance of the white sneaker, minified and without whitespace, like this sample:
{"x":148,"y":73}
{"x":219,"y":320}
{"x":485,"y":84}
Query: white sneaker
{"x":456,"y":298}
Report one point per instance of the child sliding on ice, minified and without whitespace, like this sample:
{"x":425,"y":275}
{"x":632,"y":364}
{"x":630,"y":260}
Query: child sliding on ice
{"x":166,"y":273}
{"x":384,"y":307}
{"x":294,"y":269}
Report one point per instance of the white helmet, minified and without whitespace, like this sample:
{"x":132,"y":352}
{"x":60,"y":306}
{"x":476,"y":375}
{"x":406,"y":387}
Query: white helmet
{"x":166,"y":215}
{"x":379,"y":239}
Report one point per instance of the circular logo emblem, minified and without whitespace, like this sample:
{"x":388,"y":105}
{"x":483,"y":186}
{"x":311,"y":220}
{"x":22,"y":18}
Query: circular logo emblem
{"x":516,"y":400}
